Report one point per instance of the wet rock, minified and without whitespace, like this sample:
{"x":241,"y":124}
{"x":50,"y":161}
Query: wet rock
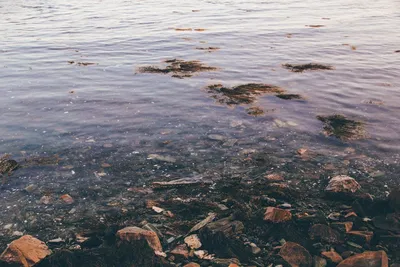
{"x":225,"y":262}
{"x":342,"y":184}
{"x":254,"y":249}
{"x":221,"y":237}
{"x":360,"y":237}
{"x":25,"y":251}
{"x":181,"y":182}
{"x":324,"y":233}
{"x":192,"y":264}
{"x":67,"y":199}
{"x":274,"y":177}
{"x":343,"y":227}
{"x":180,"y":251}
{"x":394,"y":199}
{"x":332,"y":256}
{"x":296,"y":255}
{"x":319,"y":262}
{"x":389,"y":222}
{"x":168,"y":159}
{"x":30,"y":188}
{"x":302,"y":151}
{"x":193,"y":241}
{"x":217,"y":137}
{"x":367,"y":259}
{"x":276,"y":215}
{"x":132,"y":234}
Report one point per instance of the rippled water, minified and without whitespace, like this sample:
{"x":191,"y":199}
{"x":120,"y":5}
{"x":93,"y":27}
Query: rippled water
{"x":49,"y":106}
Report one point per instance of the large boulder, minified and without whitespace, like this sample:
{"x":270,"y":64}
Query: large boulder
{"x":342,"y":184}
{"x":367,"y":259}
{"x":25,"y":251}
{"x":132,"y":234}
{"x":296,"y":255}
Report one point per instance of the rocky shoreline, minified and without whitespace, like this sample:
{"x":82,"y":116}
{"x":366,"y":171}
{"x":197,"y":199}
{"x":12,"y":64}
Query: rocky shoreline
{"x":233,"y":222}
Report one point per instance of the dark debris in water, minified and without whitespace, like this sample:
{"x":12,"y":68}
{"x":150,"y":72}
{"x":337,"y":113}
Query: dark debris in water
{"x":341,"y":127}
{"x":305,"y":67}
{"x":179,"y":68}
{"x":289,"y":96}
{"x":208,"y":49}
{"x":255,"y":111}
{"x":81,"y":63}
{"x":316,"y":26}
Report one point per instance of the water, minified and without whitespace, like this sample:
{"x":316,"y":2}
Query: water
{"x":110,"y":112}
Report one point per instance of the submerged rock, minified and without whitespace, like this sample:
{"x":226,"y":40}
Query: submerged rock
{"x":132,"y":234}
{"x":341,"y":127}
{"x":342,"y":184}
{"x":276,"y":215}
{"x":25,"y":251}
{"x":296,"y":255}
{"x":324,"y":233}
{"x":366,"y":259}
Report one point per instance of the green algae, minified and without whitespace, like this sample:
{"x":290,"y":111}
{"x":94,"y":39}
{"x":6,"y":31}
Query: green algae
{"x":342,"y":128}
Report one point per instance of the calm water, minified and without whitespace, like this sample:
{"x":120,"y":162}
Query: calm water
{"x":139,"y":113}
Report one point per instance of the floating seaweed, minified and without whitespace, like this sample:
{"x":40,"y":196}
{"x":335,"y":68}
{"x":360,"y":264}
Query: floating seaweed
{"x":289,"y":96}
{"x":305,"y":67}
{"x":255,"y":111}
{"x":341,"y":127}
{"x":209,"y":49}
{"x":179,"y":68}
{"x":242,"y":94}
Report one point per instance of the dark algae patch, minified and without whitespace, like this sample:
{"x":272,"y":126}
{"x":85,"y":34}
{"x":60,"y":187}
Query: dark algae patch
{"x":178,"y":68}
{"x":289,"y":96}
{"x":306,"y":67}
{"x":255,"y":111}
{"x":341,"y":127}
{"x":208,"y":49}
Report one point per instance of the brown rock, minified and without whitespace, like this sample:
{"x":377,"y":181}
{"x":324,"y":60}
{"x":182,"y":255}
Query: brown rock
{"x":181,"y":251}
{"x":301,"y":151}
{"x":342,"y":184}
{"x":192,"y":264}
{"x":274,"y":177}
{"x":276,"y":215}
{"x":342,"y":226}
{"x":25,"y":251}
{"x":394,"y":199}
{"x":295,"y":255}
{"x":324,"y":233}
{"x":135,"y":233}
{"x":361,"y":237}
{"x":332,"y":256}
{"x":67,"y":199}
{"x":366,"y":259}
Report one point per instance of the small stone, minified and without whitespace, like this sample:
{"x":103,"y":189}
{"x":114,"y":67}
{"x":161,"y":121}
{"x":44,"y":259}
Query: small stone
{"x":181,"y":251}
{"x":342,"y":184}
{"x":216,"y":137}
{"x":130,"y":234}
{"x":319,"y":262}
{"x":45,"y":200}
{"x":168,"y":159}
{"x":105,"y":165}
{"x":67,"y":199}
{"x":368,"y":258}
{"x":193,"y":241}
{"x":344,"y":227}
{"x":56,"y":240}
{"x":360,"y":237}
{"x":332,"y":256}
{"x":274,"y":177}
{"x":302,"y":151}
{"x":157,"y":209}
{"x":17,"y":233}
{"x":277,"y":215}
{"x":324,"y":233}
{"x":285,"y":206}
{"x":296,"y":255}
{"x":8,"y":226}
{"x":254,"y":249}
{"x":107,"y":145}
{"x":30,"y":188}
{"x":25,"y":251}
{"x":192,"y":264}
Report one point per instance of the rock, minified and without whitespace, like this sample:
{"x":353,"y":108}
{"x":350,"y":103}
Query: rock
{"x":182,"y":182}
{"x":301,"y":151}
{"x":67,"y":199}
{"x":211,"y":216}
{"x":344,"y":227}
{"x":274,"y":177}
{"x":360,"y":237}
{"x":332,"y":256}
{"x":296,"y":255}
{"x":45,"y":200}
{"x":180,"y":251}
{"x":254,"y":249}
{"x":168,"y":159}
{"x":389,"y":222}
{"x":342,"y":184}
{"x":25,"y":251}
{"x":30,"y":188}
{"x":193,"y":241}
{"x":216,"y":137}
{"x":366,"y":259}
{"x":319,"y":262}
{"x":133,"y":233}
{"x":276,"y":215}
{"x":394,"y":199}
{"x":323,"y":233}
{"x":192,"y":264}
{"x":225,"y":262}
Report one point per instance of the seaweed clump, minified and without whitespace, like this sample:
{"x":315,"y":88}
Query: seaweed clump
{"x":341,"y":127}
{"x":179,"y":68}
{"x":305,"y":67}
{"x":289,"y":96}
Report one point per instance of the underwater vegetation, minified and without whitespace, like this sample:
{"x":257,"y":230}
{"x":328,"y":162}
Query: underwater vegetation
{"x":341,"y":127}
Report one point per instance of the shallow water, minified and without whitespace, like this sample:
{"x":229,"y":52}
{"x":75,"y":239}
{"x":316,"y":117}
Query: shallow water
{"x":49,"y":106}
